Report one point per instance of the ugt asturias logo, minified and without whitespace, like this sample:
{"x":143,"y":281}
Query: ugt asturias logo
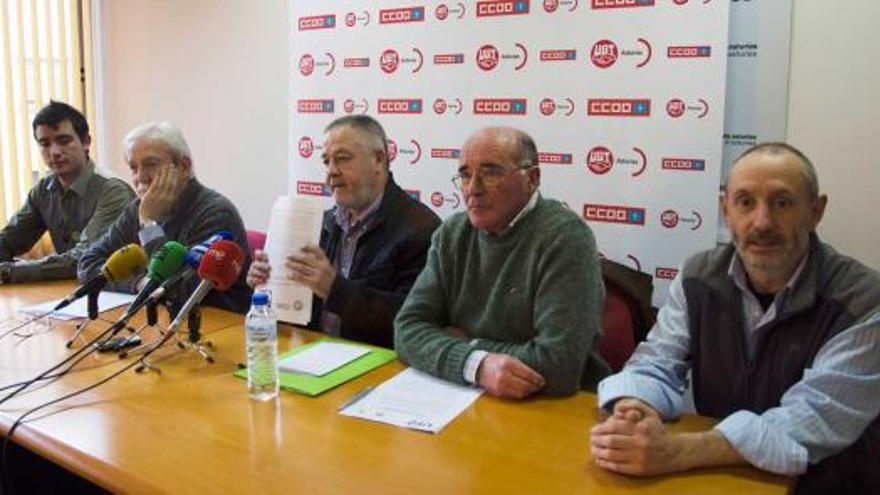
{"x":443,"y":11}
{"x":500,"y":106}
{"x":626,"y":215}
{"x":605,"y":53}
{"x":314,"y":106}
{"x":551,"y":6}
{"x":306,"y":147}
{"x":549,"y":106}
{"x":400,"y":105}
{"x":390,"y":60}
{"x":620,"y":4}
{"x":402,"y":15}
{"x":677,"y":107}
{"x":308,"y":64}
{"x":600,"y":160}
{"x":414,"y":151}
{"x":619,"y":107}
{"x":351,"y":106}
{"x":451,"y":105}
{"x":326,"y":21}
{"x":671,"y":219}
{"x":489,"y":56}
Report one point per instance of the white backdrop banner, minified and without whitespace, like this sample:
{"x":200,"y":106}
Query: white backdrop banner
{"x":625,"y":99}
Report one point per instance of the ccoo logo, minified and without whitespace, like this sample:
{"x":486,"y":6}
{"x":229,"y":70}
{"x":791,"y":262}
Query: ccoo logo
{"x":619,"y":107}
{"x":500,"y":106}
{"x":614,"y":214}
{"x":401,"y":15}
{"x":312,"y":188}
{"x":317,"y":22}
{"x":492,"y":8}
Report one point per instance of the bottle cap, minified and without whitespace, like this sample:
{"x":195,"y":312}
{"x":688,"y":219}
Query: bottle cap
{"x":260,"y":298}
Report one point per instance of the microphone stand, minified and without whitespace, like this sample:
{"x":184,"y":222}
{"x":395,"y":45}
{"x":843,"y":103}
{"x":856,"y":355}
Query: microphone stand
{"x":92,"y":316}
{"x":193,"y":341}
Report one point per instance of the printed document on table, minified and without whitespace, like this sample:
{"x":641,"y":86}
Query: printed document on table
{"x":295,"y":222}
{"x":322,"y":358}
{"x":412,"y":399}
{"x":79,"y":308}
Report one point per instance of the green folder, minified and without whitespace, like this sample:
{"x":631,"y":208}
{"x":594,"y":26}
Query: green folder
{"x":316,"y":385}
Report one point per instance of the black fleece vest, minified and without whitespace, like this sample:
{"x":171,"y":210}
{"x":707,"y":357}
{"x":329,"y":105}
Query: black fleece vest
{"x":833,"y":293}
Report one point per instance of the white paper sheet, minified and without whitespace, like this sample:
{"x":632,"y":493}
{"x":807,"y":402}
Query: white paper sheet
{"x":412,"y":399}
{"x":295,"y":222}
{"x":79,"y":308}
{"x":322,"y":358}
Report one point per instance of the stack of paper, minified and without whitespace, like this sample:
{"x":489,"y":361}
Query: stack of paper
{"x":414,"y":400}
{"x":295,"y":222}
{"x":322,"y":358}
{"x":79,"y":308}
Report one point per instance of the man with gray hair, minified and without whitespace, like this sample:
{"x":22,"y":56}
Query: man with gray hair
{"x":171,"y":204}
{"x":373,"y":242}
{"x":782,"y":336}
{"x":511,"y":296}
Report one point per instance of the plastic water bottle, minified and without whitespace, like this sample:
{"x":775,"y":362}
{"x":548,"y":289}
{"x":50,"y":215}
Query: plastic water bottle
{"x":261,"y":334}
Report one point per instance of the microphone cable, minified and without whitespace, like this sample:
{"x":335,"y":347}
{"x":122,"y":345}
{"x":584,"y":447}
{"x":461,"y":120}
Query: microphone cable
{"x":4,"y":465}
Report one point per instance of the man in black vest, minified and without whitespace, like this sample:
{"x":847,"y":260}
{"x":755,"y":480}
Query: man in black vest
{"x":373,"y":244}
{"x":782,"y":336}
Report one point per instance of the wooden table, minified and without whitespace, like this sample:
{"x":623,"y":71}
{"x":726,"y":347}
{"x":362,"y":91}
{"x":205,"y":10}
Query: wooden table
{"x":193,"y":429}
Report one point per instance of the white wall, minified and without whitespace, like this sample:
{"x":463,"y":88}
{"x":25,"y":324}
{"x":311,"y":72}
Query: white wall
{"x":833,"y":114}
{"x":216,"y":68}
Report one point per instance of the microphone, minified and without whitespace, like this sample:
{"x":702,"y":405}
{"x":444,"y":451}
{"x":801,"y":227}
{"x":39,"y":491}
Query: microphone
{"x":190,"y":265}
{"x":218,"y":269}
{"x":164,"y":263}
{"x":119,"y":266}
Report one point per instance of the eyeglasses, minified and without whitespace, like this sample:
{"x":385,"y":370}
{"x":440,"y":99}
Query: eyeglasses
{"x":489,"y":175}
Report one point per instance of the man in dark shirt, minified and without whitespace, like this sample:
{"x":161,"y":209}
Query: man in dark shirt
{"x":374,"y":242}
{"x":76,"y":203}
{"x":172,"y":205}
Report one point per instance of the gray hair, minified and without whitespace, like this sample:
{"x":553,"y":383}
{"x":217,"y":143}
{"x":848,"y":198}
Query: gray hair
{"x":161,"y":132}
{"x":369,"y":127}
{"x":779,"y":148}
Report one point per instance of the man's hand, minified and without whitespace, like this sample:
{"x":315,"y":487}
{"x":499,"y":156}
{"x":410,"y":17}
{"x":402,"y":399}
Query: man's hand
{"x":508,"y":377}
{"x":634,"y":409}
{"x":640,"y":447}
{"x":258,"y":274}
{"x":162,"y":194}
{"x":313,"y":269}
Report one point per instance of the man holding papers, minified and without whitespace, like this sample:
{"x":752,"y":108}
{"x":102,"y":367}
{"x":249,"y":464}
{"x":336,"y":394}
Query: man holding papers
{"x":511,"y":296}
{"x":171,"y":205}
{"x":373,"y":242}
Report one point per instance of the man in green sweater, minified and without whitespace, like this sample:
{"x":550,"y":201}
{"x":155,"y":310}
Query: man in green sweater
{"x":510,"y":299}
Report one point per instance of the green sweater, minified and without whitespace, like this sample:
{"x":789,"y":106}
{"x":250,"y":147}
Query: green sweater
{"x":533,"y":292}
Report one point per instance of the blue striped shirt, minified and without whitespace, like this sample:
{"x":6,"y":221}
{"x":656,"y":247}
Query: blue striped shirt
{"x":827,"y":410}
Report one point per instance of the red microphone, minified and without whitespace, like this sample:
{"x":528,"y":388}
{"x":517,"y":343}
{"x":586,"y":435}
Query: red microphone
{"x":218,"y":269}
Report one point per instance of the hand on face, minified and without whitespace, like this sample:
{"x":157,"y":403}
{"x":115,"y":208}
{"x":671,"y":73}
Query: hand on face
{"x":162,"y":193}
{"x":313,"y":269}
{"x":508,"y":377}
